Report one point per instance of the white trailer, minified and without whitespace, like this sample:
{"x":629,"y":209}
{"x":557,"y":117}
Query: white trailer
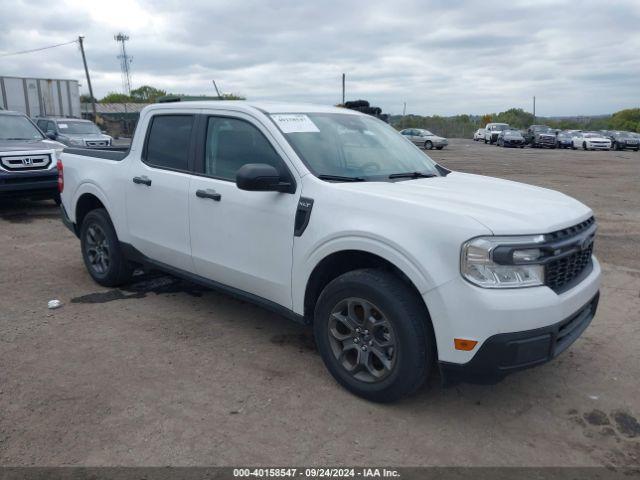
{"x":40,"y":96}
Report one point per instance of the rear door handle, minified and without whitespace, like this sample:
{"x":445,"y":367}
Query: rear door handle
{"x":208,"y":193}
{"x":142,"y":181}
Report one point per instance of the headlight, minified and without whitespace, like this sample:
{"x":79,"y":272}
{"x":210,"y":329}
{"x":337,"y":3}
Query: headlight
{"x":497,"y":262}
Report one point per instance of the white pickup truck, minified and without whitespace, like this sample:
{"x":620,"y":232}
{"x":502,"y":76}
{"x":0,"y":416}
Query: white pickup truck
{"x":332,"y":218}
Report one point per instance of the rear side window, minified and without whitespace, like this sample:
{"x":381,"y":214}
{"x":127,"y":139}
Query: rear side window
{"x":168,"y":141}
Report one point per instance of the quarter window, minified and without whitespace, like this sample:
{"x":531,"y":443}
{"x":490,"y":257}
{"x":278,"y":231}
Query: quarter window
{"x":232,"y":143}
{"x":168,"y":142}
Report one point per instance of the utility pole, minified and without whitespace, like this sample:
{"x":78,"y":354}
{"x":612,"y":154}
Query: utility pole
{"x":534,"y":109}
{"x":404,"y":109}
{"x":343,"y":80}
{"x":125,"y":60}
{"x":217,"y":91}
{"x":86,"y":71}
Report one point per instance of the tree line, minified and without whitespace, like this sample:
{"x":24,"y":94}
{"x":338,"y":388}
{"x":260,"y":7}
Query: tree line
{"x":463,"y":126}
{"x":147,"y":94}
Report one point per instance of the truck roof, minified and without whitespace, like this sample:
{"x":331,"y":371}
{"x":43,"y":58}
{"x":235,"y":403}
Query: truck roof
{"x":249,"y":106}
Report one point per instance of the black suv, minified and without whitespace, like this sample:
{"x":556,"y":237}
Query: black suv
{"x":622,"y":140}
{"x":27,"y":159}
{"x":539,"y":136}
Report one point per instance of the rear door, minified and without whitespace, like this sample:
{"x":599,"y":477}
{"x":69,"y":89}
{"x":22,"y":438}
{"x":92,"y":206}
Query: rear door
{"x":239,"y":238}
{"x":158,"y":188}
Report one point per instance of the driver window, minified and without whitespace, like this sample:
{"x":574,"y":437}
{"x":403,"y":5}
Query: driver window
{"x":232,"y":143}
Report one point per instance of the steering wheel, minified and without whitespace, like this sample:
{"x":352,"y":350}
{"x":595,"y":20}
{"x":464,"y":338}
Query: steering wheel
{"x":371,"y":165}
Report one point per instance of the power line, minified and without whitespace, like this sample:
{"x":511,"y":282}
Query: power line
{"x":37,"y":49}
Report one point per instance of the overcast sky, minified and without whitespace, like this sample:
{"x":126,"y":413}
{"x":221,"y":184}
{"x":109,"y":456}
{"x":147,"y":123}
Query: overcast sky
{"x":441,"y":57}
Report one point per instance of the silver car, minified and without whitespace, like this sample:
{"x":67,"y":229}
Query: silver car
{"x":424,"y":138}
{"x":74,"y":132}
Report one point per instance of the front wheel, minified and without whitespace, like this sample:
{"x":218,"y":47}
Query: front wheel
{"x":428,"y":145}
{"x":372,"y":333}
{"x":101,"y":250}
{"x":439,"y":148}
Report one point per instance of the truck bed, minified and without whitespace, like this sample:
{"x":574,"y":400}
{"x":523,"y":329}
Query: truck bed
{"x":106,"y":153}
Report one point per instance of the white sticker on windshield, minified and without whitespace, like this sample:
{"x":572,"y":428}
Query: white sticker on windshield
{"x":63,"y":125}
{"x":295,"y":123}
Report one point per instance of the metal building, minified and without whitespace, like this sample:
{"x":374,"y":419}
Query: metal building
{"x":40,"y":96}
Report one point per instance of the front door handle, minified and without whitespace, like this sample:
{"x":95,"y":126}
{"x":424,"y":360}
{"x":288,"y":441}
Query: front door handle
{"x":208,"y":193}
{"x":142,"y":181}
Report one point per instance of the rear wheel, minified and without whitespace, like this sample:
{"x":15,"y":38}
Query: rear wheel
{"x":584,"y":145}
{"x":371,"y":330}
{"x":101,"y":250}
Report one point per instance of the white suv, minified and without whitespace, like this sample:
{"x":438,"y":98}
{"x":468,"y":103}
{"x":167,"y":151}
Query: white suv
{"x":332,"y":218}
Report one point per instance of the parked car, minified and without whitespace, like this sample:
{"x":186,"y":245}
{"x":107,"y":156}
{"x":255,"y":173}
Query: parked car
{"x":27,"y":159}
{"x":622,"y":140}
{"x":424,"y":138}
{"x":492,"y":130}
{"x":327,"y":216}
{"x":478,"y":135}
{"x":74,"y":132}
{"x":510,"y":138}
{"x":590,"y":141}
{"x":540,"y":136}
{"x":563,"y":139}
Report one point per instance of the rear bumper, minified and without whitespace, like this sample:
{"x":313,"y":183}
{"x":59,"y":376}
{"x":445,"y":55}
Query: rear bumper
{"x":505,"y":353}
{"x":25,"y":184}
{"x":67,"y":221}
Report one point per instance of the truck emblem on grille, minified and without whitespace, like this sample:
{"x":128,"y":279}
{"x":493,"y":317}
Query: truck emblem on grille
{"x":586,"y":243}
{"x":27,"y":162}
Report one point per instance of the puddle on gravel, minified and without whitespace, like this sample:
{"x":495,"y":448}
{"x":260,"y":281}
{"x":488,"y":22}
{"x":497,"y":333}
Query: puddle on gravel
{"x":141,"y":286}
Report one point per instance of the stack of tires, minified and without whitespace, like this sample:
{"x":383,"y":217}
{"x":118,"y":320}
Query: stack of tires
{"x":364,"y":107}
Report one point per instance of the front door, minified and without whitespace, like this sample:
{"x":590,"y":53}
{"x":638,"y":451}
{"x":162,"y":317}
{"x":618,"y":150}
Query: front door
{"x":239,"y":238}
{"x":157,"y":192}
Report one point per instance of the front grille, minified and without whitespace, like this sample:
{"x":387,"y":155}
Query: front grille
{"x":570,"y":231}
{"x":25,"y":163}
{"x":560,"y":272}
{"x":573,"y":257}
{"x":96,"y":143}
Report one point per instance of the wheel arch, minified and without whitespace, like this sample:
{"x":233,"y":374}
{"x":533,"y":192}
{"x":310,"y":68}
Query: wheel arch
{"x":340,"y":262}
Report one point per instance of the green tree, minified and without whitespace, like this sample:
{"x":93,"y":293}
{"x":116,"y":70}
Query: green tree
{"x":147,"y":94}
{"x":114,"y":97}
{"x":628,"y":119}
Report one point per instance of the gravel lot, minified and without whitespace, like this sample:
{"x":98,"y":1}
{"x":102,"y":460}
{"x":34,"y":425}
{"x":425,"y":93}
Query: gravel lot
{"x":166,"y":373}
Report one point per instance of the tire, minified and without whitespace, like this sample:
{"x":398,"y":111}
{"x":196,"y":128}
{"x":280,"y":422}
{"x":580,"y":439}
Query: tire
{"x":521,"y":146}
{"x":428,"y":145}
{"x":573,"y":147}
{"x":439,"y":148}
{"x":58,"y":200}
{"x":101,"y":251}
{"x":584,"y":146}
{"x":485,"y":141}
{"x":402,"y":321}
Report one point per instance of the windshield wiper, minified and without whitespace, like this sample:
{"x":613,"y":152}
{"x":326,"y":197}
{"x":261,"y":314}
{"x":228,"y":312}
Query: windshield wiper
{"x":412,"y":175}
{"x":19,"y":139}
{"x":338,"y":178}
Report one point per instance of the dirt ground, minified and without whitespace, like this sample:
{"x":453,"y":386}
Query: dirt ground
{"x":167,"y":373}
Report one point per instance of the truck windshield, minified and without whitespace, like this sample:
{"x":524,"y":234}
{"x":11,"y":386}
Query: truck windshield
{"x":77,"y":127}
{"x":347,"y":145}
{"x":17,"y":127}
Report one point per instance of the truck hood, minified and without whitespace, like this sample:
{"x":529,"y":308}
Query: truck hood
{"x":26,"y":145}
{"x":503,"y":206}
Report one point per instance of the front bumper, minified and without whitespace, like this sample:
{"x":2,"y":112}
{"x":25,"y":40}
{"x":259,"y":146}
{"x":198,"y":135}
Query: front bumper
{"x":459,"y":309}
{"x":27,"y":184}
{"x":505,"y":353}
{"x":512,"y":143}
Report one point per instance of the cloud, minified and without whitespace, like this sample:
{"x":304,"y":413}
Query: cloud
{"x":441,"y":57}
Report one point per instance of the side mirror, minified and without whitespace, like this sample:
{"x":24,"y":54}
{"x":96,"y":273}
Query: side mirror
{"x":51,"y":134}
{"x":260,"y":177}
